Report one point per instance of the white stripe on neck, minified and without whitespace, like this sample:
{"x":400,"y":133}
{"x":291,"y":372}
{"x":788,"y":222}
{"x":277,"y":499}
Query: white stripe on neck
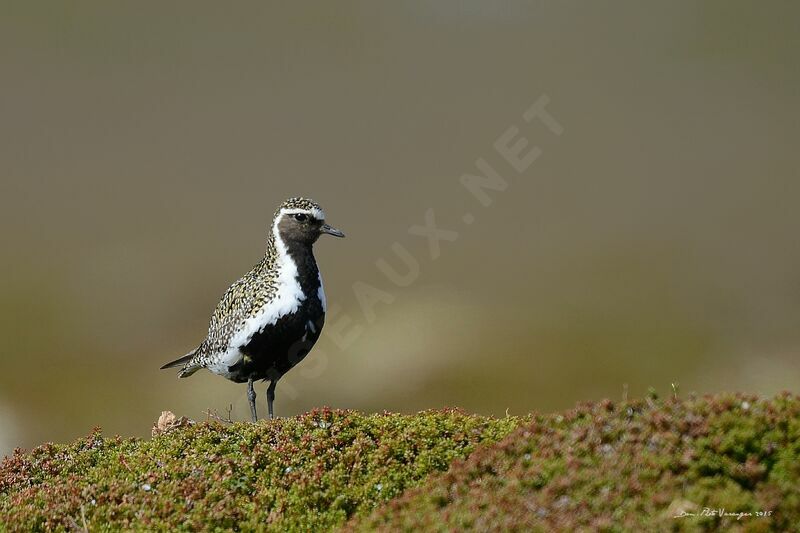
{"x":285,"y":300}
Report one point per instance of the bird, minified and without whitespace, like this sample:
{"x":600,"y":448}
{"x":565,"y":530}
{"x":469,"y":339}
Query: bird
{"x":270,"y":318}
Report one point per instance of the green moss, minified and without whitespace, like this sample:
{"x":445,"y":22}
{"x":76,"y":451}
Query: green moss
{"x":306,"y":473}
{"x":598,"y":467}
{"x":626,"y":467}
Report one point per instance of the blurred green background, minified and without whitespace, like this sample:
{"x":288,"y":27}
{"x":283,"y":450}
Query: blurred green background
{"x":144,"y":147}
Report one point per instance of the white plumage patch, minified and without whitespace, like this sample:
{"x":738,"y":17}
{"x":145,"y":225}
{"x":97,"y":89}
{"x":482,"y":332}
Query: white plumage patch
{"x":288,"y":297}
{"x":321,"y":295}
{"x":315,"y":212}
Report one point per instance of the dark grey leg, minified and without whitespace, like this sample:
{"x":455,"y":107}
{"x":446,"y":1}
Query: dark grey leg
{"x":271,"y":397}
{"x":251,"y":395}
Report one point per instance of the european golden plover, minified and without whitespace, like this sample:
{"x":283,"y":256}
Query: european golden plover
{"x":269,"y":320}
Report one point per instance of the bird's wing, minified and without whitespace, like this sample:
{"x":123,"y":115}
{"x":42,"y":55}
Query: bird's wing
{"x":239,"y":303}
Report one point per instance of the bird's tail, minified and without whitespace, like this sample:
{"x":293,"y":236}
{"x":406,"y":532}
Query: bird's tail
{"x":188,"y":370}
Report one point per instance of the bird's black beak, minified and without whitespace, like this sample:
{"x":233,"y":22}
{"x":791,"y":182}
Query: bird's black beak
{"x":330,"y":231}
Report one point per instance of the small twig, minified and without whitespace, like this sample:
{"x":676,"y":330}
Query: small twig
{"x":83,"y":520}
{"x":212,"y":415}
{"x":74,"y":523}
{"x":624,"y":392}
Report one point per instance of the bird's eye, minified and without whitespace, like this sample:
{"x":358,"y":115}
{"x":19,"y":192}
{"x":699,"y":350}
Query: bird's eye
{"x":300,"y":217}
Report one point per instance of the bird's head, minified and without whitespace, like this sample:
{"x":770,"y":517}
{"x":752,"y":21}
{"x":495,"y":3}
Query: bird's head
{"x":301,"y":220}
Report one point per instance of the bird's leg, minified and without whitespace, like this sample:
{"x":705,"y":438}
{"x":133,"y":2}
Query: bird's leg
{"x":271,"y":397}
{"x":251,"y":396}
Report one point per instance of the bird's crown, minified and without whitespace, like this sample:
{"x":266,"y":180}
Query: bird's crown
{"x":301,"y":205}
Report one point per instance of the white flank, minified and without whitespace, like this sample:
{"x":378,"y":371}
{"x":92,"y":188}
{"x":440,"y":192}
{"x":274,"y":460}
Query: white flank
{"x":287,"y":299}
{"x":321,"y":295}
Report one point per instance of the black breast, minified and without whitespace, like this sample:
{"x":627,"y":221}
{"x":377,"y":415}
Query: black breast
{"x":278,"y":347}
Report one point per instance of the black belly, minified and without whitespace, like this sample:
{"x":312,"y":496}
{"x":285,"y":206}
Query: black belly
{"x":277,"y":348}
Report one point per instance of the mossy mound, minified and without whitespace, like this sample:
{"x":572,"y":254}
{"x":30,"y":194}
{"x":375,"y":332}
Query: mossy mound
{"x":605,"y":466}
{"x":309,"y":473}
{"x":622,"y":467}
